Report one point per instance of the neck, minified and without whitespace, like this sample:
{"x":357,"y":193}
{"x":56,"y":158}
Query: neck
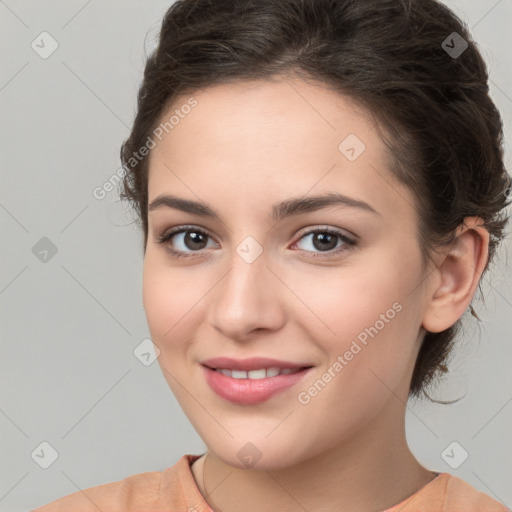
{"x":370,"y":470}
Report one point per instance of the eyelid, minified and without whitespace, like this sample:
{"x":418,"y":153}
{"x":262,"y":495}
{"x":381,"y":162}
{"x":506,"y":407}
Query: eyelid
{"x":331,"y":229}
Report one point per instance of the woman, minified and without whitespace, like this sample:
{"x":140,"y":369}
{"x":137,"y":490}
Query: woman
{"x":321,"y":186}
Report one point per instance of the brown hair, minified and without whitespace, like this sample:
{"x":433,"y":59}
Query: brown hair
{"x":397,"y":58}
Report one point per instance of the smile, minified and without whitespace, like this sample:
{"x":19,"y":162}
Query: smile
{"x":252,"y":386}
{"x":257,"y":374}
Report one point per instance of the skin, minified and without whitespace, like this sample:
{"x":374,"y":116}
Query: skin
{"x":244,"y":147}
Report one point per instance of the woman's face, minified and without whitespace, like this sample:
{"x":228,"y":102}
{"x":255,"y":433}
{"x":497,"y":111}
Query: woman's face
{"x":256,"y":281}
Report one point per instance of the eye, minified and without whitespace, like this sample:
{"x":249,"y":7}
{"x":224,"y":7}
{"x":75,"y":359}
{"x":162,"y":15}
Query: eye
{"x":184,"y":241}
{"x":324,"y":240}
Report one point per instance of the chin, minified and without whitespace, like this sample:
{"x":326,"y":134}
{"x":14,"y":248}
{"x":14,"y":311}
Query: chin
{"x":263,"y":455}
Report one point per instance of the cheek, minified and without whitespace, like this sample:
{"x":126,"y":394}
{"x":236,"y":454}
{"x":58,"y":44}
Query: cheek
{"x":341,"y":303}
{"x":368,"y":317}
{"x":169,"y":306}
{"x":170,"y":302}
{"x":354,"y":296}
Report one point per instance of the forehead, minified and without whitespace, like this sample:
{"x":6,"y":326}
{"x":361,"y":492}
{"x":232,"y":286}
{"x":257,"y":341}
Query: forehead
{"x":270,"y":140}
{"x":272,"y":114}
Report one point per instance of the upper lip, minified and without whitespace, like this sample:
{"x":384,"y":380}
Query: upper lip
{"x":252,"y":363}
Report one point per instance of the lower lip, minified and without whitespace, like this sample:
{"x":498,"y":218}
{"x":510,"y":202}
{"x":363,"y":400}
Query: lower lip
{"x":250,"y":391}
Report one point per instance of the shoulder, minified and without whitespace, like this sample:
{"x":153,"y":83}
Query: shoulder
{"x":462,"y":496}
{"x":136,"y":490}
{"x":448,"y":493}
{"x":142,"y":491}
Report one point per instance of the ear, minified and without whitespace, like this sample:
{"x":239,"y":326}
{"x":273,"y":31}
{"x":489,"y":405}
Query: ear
{"x":456,"y":276}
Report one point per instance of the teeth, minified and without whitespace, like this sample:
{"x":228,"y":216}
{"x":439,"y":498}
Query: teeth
{"x":272,"y":372}
{"x":256,"y":374}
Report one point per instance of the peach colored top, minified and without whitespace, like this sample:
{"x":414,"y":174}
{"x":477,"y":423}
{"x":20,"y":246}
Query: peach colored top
{"x":175,"y":490}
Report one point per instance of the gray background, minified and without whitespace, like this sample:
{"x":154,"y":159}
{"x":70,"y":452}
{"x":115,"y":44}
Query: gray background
{"x":70,"y":325}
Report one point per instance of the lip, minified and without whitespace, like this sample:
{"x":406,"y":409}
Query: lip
{"x":250,"y":391}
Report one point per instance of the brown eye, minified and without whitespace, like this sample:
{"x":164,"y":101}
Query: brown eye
{"x":325,"y":241}
{"x":185,"y":241}
{"x":194,"y":240}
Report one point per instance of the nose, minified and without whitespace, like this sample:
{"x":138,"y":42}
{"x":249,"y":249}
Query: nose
{"x":248,"y":298}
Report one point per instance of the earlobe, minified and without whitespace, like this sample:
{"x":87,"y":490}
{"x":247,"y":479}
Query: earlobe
{"x":458,"y":273}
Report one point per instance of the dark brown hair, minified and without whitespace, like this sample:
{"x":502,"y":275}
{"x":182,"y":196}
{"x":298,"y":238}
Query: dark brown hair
{"x":399,"y":59}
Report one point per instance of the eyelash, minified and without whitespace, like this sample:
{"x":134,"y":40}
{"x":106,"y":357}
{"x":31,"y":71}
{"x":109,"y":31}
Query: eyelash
{"x":349,"y":242}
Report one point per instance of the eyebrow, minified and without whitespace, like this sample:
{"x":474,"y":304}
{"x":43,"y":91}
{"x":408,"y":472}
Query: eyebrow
{"x":292,"y":206}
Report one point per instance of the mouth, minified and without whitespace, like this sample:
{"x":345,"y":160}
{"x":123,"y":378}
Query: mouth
{"x":251,"y":381}
{"x":261,"y":373}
